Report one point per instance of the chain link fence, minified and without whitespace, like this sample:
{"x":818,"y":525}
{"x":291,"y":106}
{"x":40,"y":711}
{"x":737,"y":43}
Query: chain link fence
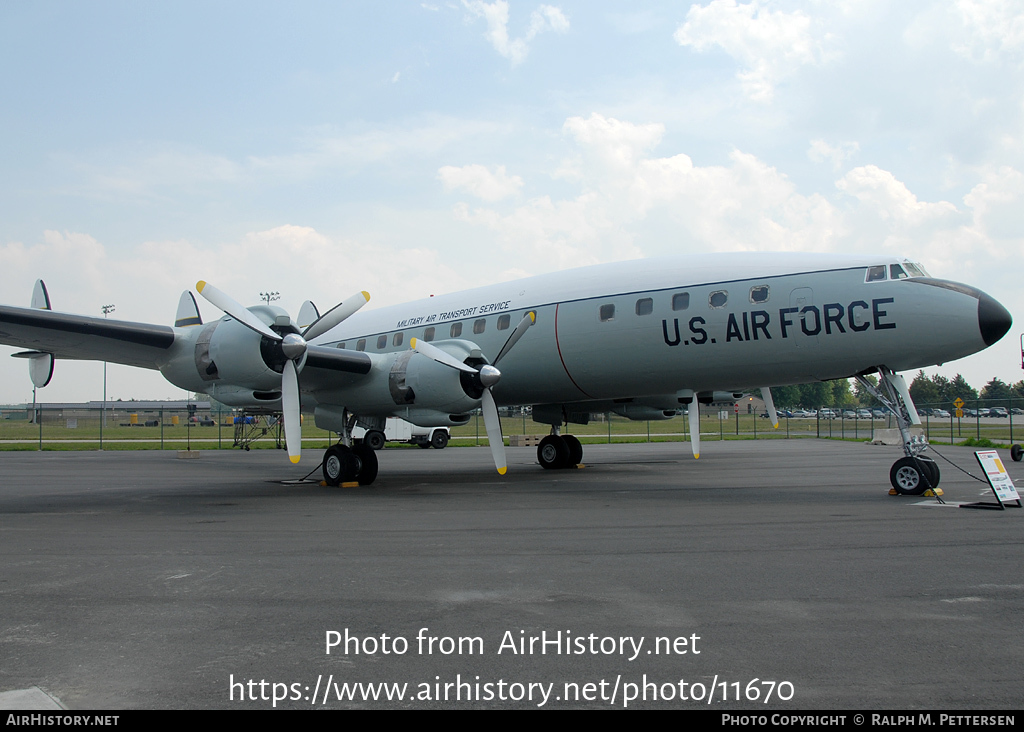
{"x":132,"y":426}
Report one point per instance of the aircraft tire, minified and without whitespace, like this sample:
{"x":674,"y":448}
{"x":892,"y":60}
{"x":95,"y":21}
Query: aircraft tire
{"x":439,"y":440}
{"x":340,"y":465}
{"x":907,"y":478}
{"x":931,"y":469}
{"x":1016,"y":453}
{"x":575,"y":449}
{"x":366,"y":472}
{"x":553,"y":453}
{"x":374,"y":439}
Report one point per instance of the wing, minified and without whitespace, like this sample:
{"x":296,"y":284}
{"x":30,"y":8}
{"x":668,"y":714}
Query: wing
{"x":86,"y":338}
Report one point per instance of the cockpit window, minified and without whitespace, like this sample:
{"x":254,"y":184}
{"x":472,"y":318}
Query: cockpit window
{"x":875,"y":274}
{"x":914,"y":270}
{"x":896,"y":272}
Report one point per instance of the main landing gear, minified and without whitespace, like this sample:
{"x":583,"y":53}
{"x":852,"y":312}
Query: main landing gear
{"x":912,"y":474}
{"x":350,"y":461}
{"x":559,"y":451}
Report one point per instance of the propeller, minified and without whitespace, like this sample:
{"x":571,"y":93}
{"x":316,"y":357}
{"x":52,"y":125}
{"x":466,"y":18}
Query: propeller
{"x":293,"y":346}
{"x":693,"y":412}
{"x":487,"y":375}
{"x":769,"y":403}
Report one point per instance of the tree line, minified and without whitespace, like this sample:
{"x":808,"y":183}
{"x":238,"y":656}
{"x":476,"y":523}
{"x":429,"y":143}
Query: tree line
{"x":933,"y":390}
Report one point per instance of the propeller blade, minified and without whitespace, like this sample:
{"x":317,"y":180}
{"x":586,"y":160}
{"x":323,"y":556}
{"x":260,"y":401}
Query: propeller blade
{"x":493,"y":426}
{"x":226,"y":303}
{"x":436,"y":354}
{"x":529,"y":319}
{"x":290,"y":410}
{"x":308,"y":314}
{"x":766,"y":395}
{"x":335,"y":315}
{"x":694,"y":414}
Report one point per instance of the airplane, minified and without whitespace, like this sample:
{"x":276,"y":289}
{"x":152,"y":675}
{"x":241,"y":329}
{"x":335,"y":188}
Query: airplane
{"x":642,"y":338}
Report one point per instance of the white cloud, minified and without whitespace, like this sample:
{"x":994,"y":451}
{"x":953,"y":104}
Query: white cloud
{"x":991,"y":27}
{"x":769,"y":45}
{"x":545,"y":18}
{"x":820,"y":152}
{"x":616,"y":143}
{"x":481,"y":182}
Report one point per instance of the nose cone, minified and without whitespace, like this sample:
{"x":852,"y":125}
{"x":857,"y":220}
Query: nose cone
{"x":993,"y":319}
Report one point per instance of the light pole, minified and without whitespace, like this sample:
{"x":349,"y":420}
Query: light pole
{"x":107,"y":310}
{"x":269,"y":297}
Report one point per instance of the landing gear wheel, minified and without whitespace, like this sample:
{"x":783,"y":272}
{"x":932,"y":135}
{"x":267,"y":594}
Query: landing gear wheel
{"x":931,"y":471}
{"x":439,"y":440}
{"x":906,"y":477}
{"x":366,"y":458}
{"x":424,"y":445}
{"x":1016,"y":453}
{"x":374,"y":439}
{"x":340,"y":465}
{"x":553,"y":452}
{"x":575,"y":449}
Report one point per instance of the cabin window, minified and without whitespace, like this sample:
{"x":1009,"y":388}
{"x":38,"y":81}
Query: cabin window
{"x":382,"y":342}
{"x":607,"y":312}
{"x":644,"y":306}
{"x":361,"y":344}
{"x":759,"y":293}
{"x":399,"y":337}
{"x":340,"y":345}
{"x":428,"y":335}
{"x":875,"y":274}
{"x":681,"y":301}
{"x":456,"y":330}
{"x":503,"y":321}
{"x":896,"y":272}
{"x":718,"y":298}
{"x":479,"y":325}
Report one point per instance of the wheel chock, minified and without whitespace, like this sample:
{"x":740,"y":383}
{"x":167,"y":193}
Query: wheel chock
{"x":350,"y":484}
{"x":933,"y":493}
{"x":893,"y":492}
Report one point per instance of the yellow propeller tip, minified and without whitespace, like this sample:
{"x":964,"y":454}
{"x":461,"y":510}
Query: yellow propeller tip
{"x":696,"y":456}
{"x":200,"y":285}
{"x":294,"y":458}
{"x":501,"y":471}
{"x":366,"y":295}
{"x":776,"y":425}
{"x":412,"y":343}
{"x":533,"y":317}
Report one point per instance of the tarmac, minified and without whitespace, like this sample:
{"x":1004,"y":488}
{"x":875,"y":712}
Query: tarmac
{"x":768,"y":576}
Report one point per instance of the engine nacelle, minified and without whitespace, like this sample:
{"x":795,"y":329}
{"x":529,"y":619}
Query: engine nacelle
{"x":418,"y":388}
{"x":642,"y":412}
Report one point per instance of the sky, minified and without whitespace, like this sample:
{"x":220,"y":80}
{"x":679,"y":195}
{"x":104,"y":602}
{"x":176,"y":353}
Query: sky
{"x":316,"y":149}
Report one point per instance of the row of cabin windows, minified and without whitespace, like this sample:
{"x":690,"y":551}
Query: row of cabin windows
{"x":681,"y":301}
{"x":454,"y":331}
